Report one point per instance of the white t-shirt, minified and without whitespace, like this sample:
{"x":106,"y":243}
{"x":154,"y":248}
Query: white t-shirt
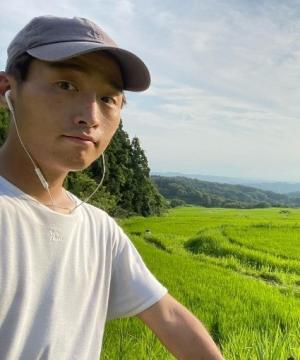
{"x":62,"y":276}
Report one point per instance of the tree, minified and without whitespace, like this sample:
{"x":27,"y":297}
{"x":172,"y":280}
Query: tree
{"x":146,"y":198}
{"x":4,"y":124}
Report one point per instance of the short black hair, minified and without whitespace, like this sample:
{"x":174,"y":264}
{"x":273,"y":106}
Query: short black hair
{"x":20,"y":67}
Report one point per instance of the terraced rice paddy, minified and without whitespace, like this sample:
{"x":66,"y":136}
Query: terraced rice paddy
{"x":236,"y":270}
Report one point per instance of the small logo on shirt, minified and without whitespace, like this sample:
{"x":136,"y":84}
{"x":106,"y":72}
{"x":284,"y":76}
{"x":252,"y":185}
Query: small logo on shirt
{"x":55,"y":235}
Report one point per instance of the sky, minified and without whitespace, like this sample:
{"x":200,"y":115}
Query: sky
{"x":225,"y":93}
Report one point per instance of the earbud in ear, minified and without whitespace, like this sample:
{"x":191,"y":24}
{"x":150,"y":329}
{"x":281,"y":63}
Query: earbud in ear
{"x":7,"y":97}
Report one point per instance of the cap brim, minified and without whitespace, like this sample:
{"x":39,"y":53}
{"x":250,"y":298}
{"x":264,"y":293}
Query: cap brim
{"x":136,"y":76}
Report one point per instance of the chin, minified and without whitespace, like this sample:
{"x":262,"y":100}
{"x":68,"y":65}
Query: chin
{"x":79,"y":166}
{"x":77,"y":162}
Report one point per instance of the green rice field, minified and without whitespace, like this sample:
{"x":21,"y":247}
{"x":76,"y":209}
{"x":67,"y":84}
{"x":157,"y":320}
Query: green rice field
{"x":237,"y":270}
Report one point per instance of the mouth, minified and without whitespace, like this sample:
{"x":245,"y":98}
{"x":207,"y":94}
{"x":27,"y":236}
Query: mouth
{"x":82,"y":139}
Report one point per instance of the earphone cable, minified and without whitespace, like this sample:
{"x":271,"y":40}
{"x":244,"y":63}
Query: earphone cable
{"x":100,"y":183}
{"x":37,"y":170}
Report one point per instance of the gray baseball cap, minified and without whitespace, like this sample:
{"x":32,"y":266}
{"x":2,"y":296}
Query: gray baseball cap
{"x":51,"y":38}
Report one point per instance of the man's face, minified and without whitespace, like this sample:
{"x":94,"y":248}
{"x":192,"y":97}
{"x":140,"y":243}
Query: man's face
{"x":67,"y":112}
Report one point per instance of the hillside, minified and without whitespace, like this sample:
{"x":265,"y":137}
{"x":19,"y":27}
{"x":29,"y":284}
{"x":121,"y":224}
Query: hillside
{"x":181,"y":190}
{"x":280,"y":187}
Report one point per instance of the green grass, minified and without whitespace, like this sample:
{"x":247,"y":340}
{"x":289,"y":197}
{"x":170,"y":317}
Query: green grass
{"x":237,"y":270}
{"x":269,"y":237}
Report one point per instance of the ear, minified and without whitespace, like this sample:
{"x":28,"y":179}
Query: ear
{"x":4,"y":86}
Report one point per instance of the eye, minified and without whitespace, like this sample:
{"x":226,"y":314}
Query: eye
{"x":108,"y":100}
{"x":66,"y":85}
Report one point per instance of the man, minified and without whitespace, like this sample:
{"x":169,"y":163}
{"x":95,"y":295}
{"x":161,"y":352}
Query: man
{"x":65,"y":266}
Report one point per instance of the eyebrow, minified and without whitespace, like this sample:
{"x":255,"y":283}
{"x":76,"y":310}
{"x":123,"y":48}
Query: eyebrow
{"x":70,"y":65}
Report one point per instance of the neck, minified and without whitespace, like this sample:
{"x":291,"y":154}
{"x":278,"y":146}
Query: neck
{"x":17,"y":168}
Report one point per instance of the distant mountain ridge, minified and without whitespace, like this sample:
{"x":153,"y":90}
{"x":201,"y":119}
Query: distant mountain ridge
{"x":279,"y":187}
{"x":182,"y":190}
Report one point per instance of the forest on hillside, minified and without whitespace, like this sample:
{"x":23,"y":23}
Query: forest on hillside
{"x":181,"y":190}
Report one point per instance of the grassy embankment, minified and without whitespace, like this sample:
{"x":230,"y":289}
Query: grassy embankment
{"x":237,"y":270}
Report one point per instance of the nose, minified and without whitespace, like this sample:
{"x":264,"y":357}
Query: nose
{"x":89,"y":114}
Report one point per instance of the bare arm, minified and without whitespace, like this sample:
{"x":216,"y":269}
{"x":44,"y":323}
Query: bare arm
{"x":180,"y":331}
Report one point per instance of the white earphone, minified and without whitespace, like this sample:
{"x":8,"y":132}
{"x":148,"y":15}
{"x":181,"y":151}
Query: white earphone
{"x":7,"y":97}
{"x":36,"y":169}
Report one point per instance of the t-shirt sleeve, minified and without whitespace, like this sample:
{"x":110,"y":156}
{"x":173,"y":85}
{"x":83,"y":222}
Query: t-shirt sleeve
{"x":133,"y":287}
